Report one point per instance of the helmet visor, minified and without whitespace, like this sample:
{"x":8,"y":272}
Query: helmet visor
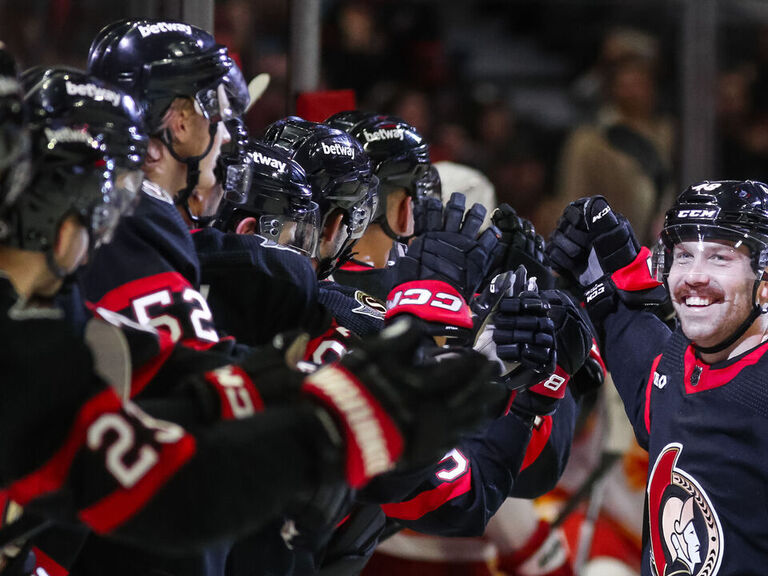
{"x":710,"y":250}
{"x":224,"y":100}
{"x":299,"y":230}
{"x":361,"y":212}
{"x":119,"y":196}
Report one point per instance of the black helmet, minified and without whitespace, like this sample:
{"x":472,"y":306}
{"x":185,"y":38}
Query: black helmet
{"x":14,"y":136}
{"x":399,"y":154}
{"x":157,"y":61}
{"x":339,"y":173}
{"x":732,"y":210}
{"x":88,"y":140}
{"x":279,"y":198}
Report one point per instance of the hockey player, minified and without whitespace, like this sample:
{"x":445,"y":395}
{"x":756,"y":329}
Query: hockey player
{"x":400,"y":158}
{"x":87,"y":456}
{"x":693,"y":394}
{"x":254,"y":286}
{"x":187,"y":86}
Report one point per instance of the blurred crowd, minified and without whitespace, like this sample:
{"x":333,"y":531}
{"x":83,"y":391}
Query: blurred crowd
{"x":619,"y":86}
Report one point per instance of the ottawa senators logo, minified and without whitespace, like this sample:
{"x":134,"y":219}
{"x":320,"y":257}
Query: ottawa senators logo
{"x":369,"y":306}
{"x":686,"y":536}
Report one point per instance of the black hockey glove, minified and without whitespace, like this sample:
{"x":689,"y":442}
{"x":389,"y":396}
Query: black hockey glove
{"x":387,"y":406}
{"x":596,"y":247}
{"x":520,"y":245}
{"x":519,"y":337}
{"x":264,"y":376}
{"x":573,"y":338}
{"x":450,"y":249}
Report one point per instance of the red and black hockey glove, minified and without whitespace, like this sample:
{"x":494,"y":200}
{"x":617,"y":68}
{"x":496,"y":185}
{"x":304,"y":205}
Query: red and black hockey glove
{"x":519,"y":244}
{"x":449,"y":249}
{"x":388,"y":405}
{"x":596,"y":247}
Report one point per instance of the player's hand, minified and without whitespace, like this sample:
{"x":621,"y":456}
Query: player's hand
{"x":520,"y":245}
{"x":388,"y":405}
{"x":449,"y":249}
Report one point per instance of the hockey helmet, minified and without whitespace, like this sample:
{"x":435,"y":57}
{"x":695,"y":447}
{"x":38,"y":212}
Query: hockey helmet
{"x":398,"y":153}
{"x":87,"y":141}
{"x":340,"y":176}
{"x":157,"y":61}
{"x":734,"y":211}
{"x":279,"y":198}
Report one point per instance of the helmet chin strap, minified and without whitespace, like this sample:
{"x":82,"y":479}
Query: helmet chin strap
{"x":754,"y":314}
{"x":53,"y":266}
{"x":382,"y":221}
{"x":193,"y":171}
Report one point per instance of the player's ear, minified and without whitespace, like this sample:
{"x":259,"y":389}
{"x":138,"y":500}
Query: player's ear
{"x":332,"y":226}
{"x":762,"y":290}
{"x":71,"y":248}
{"x":247,"y":226}
{"x":404,"y":218}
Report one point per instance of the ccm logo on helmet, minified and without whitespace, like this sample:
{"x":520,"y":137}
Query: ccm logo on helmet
{"x":338,"y":149}
{"x":93,"y":92}
{"x":698,"y":213}
{"x":383,"y":134}
{"x":161,"y":27}
{"x":267,"y":161}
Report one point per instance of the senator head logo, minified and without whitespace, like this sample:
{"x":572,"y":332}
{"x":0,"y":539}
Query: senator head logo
{"x":686,"y":536}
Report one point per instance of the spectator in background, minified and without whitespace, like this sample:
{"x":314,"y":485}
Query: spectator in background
{"x":626,"y":154}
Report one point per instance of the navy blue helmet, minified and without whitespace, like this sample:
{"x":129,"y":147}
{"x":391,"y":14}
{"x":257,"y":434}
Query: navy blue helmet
{"x":339,"y":173}
{"x":278,"y":197}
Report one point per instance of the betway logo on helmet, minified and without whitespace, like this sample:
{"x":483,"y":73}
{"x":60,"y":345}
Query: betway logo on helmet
{"x":93,"y":92}
{"x":161,"y":27}
{"x":383,"y":134}
{"x":268,"y":161}
{"x":67,"y":135}
{"x":698,"y":213}
{"x":338,"y":150}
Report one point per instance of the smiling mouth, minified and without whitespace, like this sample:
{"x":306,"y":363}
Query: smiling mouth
{"x":697,"y":302}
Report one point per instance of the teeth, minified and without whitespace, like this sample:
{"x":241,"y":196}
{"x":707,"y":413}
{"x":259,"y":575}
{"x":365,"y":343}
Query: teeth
{"x":696,"y":301}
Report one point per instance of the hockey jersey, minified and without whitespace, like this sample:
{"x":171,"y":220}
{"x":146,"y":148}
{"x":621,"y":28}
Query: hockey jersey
{"x":704,"y":427}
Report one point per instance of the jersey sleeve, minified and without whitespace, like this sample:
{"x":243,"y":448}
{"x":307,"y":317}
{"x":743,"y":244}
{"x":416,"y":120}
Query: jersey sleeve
{"x":150,"y":273}
{"x":633,"y":344}
{"x":548,"y":451}
{"x":459,"y":495}
{"x":255,"y":288}
{"x":73,"y":450}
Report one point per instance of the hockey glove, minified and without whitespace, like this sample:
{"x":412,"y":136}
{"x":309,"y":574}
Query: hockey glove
{"x":266,"y":376}
{"x":520,"y":245}
{"x":573,"y":337}
{"x":386,"y":406}
{"x":520,"y":338}
{"x":604,"y":257}
{"x":450,"y":249}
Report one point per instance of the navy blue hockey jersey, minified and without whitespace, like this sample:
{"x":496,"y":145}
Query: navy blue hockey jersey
{"x":704,"y":427}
